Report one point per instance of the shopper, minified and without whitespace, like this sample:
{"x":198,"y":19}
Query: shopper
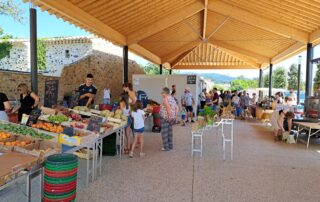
{"x":203,"y":98}
{"x":293,"y":97}
{"x":244,"y":104}
{"x":173,"y":94}
{"x":189,"y":103}
{"x":139,"y":118}
{"x":168,"y":114}
{"x":87,"y":92}
{"x":127,"y":88}
{"x":215,"y":100}
{"x":252,"y":104}
{"x":107,"y":94}
{"x":226,"y":98}
{"x":209,"y":98}
{"x":173,"y":88}
{"x":125,"y":108}
{"x":28,"y":101}
{"x":5,"y":107}
{"x":236,"y":104}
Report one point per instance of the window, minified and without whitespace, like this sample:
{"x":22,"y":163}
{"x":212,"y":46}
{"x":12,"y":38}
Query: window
{"x":67,"y":54}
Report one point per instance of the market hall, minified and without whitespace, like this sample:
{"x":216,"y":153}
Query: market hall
{"x":180,"y":35}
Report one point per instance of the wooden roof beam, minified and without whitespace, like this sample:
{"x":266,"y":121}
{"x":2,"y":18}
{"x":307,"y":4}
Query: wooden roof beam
{"x":165,"y":22}
{"x":246,"y":53}
{"x":289,"y":52}
{"x":315,"y":37}
{"x":181,"y":57}
{"x":199,"y":67}
{"x":184,"y":48}
{"x":138,"y":49}
{"x":77,"y":15}
{"x":257,"y":21}
{"x":205,"y":15}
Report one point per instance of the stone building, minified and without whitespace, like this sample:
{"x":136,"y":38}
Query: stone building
{"x":69,"y":60}
{"x":59,"y":53}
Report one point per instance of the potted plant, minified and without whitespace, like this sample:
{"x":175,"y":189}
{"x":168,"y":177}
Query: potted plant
{"x":209,"y":114}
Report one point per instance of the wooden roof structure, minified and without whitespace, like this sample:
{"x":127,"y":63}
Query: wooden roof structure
{"x":198,"y":34}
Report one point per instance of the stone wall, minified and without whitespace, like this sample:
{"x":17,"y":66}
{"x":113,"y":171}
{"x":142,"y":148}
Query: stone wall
{"x":104,"y":67}
{"x":18,"y":59}
{"x":60,"y":55}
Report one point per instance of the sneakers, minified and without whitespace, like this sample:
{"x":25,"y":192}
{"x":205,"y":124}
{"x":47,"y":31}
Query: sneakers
{"x":164,"y":149}
{"x":131,"y":154}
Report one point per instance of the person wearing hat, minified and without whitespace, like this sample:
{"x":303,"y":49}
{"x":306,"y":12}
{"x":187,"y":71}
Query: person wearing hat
{"x":188,"y":103}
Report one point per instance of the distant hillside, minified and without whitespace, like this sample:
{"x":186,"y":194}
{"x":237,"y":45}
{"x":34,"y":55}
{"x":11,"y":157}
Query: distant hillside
{"x":218,"y":78}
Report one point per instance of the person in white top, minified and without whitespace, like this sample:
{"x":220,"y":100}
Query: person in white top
{"x":293,"y":97}
{"x":139,"y":118}
{"x":106,"y":94}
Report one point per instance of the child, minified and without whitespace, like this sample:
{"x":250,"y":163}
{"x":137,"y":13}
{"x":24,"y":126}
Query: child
{"x":139,"y":118}
{"x":183,"y":116}
{"x":280,"y":131}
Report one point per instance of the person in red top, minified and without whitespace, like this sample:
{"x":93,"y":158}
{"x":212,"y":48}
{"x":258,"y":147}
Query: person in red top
{"x":215,"y":99}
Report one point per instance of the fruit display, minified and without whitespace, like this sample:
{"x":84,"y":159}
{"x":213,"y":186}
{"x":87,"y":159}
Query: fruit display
{"x":4,"y":136}
{"x":23,"y":130}
{"x":58,"y":118}
{"x":48,"y":127}
{"x":18,"y":143}
{"x":82,"y":108}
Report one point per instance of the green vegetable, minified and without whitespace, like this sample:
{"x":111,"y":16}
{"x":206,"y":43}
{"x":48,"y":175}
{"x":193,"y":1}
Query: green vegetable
{"x":58,"y":118}
{"x":23,"y":130}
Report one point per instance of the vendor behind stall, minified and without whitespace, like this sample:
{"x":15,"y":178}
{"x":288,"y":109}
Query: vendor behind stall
{"x":28,"y":100}
{"x":5,"y":107}
{"x":87,"y":92}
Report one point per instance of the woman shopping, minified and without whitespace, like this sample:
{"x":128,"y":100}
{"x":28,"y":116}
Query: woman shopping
{"x":5,"y":107}
{"x":28,"y":101}
{"x":168,"y":113}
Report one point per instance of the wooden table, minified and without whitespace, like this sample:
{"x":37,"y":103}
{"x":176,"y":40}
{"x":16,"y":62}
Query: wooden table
{"x":309,"y":126}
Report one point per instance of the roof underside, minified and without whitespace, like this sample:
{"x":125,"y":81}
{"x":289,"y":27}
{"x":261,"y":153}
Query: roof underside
{"x":198,"y":34}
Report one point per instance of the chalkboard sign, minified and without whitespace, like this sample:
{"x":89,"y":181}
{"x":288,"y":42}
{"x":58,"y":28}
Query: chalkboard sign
{"x":191,"y":79}
{"x":51,"y":93}
{"x":95,"y":123}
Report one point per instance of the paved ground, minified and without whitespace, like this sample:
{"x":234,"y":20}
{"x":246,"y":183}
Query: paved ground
{"x":262,"y":170}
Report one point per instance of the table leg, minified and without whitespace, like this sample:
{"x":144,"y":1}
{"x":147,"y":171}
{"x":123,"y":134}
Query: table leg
{"x":308,"y":138}
{"x":101,"y":146}
{"x":88,"y":169}
{"x":28,"y":186}
{"x":93,"y":160}
{"x":41,"y":182}
{"x":298,"y":133}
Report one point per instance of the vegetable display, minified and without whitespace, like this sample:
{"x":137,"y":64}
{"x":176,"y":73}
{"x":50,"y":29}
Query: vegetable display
{"x":58,"y":118}
{"x":22,"y":130}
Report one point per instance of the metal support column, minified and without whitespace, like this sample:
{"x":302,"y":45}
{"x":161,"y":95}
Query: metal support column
{"x":309,"y":71}
{"x":260,"y":83}
{"x":270,"y":80}
{"x":170,"y":71}
{"x":299,"y":80}
{"x":125,"y":64}
{"x":160,"y":69}
{"x":33,"y":50}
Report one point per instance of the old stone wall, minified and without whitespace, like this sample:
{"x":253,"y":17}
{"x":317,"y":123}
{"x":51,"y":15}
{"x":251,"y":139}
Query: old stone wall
{"x":104,"y":67}
{"x":18,"y":59}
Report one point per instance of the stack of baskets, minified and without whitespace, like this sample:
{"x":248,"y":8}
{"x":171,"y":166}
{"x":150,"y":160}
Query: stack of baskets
{"x":60,"y":179}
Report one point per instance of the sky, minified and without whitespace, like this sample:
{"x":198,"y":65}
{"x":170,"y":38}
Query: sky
{"x":50,"y":26}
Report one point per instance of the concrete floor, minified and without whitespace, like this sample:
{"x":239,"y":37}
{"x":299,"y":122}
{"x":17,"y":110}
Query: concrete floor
{"x":262,"y":170}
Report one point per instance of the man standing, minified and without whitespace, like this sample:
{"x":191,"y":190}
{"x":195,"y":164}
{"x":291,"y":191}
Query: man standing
{"x":107,"y":94}
{"x":244,"y":103}
{"x":189,"y":102}
{"x":215,"y":100}
{"x":203,"y":98}
{"x":87,"y":92}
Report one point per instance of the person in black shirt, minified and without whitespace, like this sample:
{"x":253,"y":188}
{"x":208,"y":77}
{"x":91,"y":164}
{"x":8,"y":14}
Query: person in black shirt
{"x":5,"y":107}
{"x":28,"y":100}
{"x":87,"y":92}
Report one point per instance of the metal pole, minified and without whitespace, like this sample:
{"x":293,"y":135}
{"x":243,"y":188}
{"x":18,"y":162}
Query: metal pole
{"x":160,"y":69}
{"x":270,"y":80}
{"x":309,"y":71}
{"x":33,"y":50}
{"x":125,"y":64}
{"x":260,"y":83}
{"x":299,"y":78}
{"x":170,"y":71}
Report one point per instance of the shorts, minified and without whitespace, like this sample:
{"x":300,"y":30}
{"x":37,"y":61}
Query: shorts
{"x":141,"y":130}
{"x":189,"y":108}
{"x":106,"y":101}
{"x":129,"y":122}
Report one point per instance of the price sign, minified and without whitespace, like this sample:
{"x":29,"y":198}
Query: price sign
{"x":70,"y":141}
{"x":191,"y":79}
{"x":95,"y":123}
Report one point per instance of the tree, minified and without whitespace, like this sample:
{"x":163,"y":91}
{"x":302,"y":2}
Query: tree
{"x":317,"y":76}
{"x":293,"y":77}
{"x":151,"y":68}
{"x":41,"y":53}
{"x":279,"y":78}
{"x":241,"y":83}
{"x":266,"y":81}
{"x":8,"y":8}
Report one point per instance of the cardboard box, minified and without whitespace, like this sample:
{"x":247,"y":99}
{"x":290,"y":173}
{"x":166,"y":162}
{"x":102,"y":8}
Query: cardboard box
{"x":40,"y":149}
{"x":13,"y":163}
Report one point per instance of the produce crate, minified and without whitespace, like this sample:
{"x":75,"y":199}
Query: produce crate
{"x":40,"y":148}
{"x":83,"y":154}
